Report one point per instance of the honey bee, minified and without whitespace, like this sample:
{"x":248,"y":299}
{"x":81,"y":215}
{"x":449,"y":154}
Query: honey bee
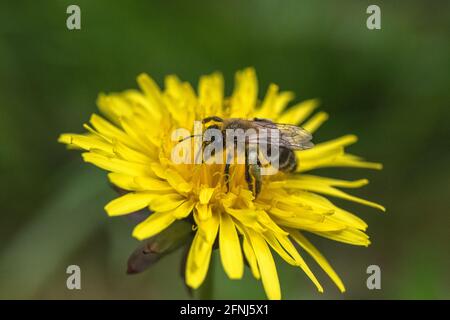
{"x":289,"y":139}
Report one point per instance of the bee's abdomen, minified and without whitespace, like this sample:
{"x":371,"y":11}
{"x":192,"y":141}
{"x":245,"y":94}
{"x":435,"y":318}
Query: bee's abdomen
{"x":287,"y":160}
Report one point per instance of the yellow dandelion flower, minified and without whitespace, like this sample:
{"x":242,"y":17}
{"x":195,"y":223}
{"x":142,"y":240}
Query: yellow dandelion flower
{"x":132,"y":140}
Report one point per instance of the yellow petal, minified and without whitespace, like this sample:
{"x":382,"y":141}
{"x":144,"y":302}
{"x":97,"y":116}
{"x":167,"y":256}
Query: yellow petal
{"x":117,"y":165}
{"x":324,"y":189}
{"x":107,"y":129}
{"x":153,"y":225}
{"x":251,"y":259}
{"x":348,"y":160}
{"x":267,"y":268}
{"x":243,"y":99}
{"x":180,"y":99}
{"x":316,"y":255}
{"x":348,"y":218}
{"x":143,"y":107}
{"x":248,"y":217}
{"x":205,"y":195}
{"x":274,"y":102}
{"x":248,"y":252}
{"x":127,"y":153}
{"x":326,"y":225}
{"x":318,"y":162}
{"x":304,"y":178}
{"x":299,"y":112}
{"x":230,"y":248}
{"x":113,"y":106}
{"x":65,"y":138}
{"x":289,"y":247}
{"x":166,"y":202}
{"x":138,"y":133}
{"x":323,"y":154}
{"x":196,"y":271}
{"x":315,"y":122}
{"x":159,"y":170}
{"x":324,"y":149}
{"x":147,"y":183}
{"x":273,"y":242}
{"x":265,"y":111}
{"x":203,"y":211}
{"x":86,"y":142}
{"x":184,"y":209}
{"x":129,"y":203}
{"x":265,"y":220}
{"x":349,"y":235}
{"x":208,"y":228}
{"x":152,"y":92}
{"x":210,"y":91}
{"x":123,"y":181}
{"x":200,"y":252}
{"x":177,"y":181}
{"x":318,"y":202}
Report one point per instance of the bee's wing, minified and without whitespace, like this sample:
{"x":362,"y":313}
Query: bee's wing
{"x":294,"y":137}
{"x":290,"y":136}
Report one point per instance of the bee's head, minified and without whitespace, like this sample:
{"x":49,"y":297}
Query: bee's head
{"x":214,"y":126}
{"x":213,"y":123}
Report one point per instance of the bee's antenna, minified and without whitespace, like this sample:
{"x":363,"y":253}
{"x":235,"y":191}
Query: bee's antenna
{"x":192,"y":136}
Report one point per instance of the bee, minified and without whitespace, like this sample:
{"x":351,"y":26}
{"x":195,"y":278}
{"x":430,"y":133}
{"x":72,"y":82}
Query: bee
{"x":289,"y":139}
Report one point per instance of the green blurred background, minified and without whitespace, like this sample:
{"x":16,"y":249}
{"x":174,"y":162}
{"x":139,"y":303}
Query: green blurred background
{"x":390,"y":87}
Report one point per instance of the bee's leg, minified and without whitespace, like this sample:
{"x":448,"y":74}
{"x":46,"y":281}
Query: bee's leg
{"x":248,"y":177}
{"x":227,"y":176}
{"x":208,"y":142}
{"x":205,"y":158}
{"x":253,"y":178}
{"x":252,"y":172}
{"x":229,"y":158}
{"x":255,"y":171}
{"x":199,"y":154}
